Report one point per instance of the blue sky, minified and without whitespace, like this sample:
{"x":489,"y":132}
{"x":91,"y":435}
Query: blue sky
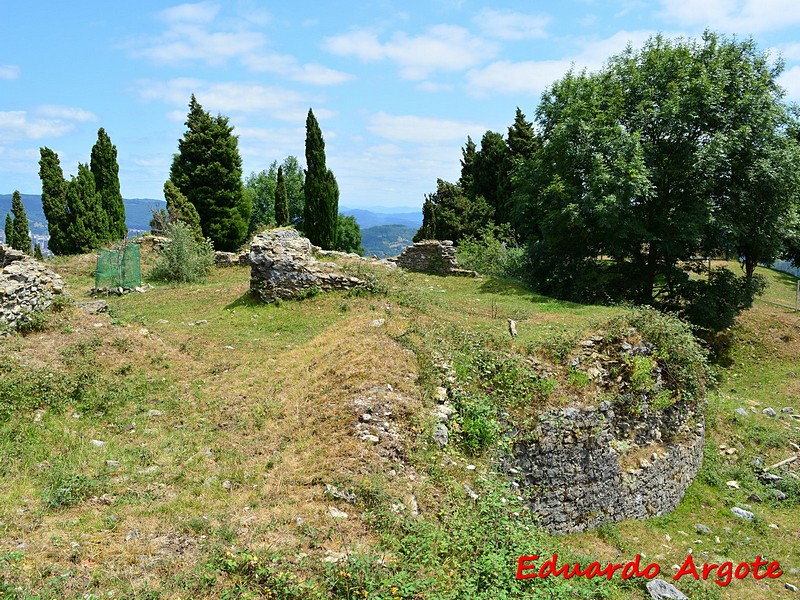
{"x":395,"y":86}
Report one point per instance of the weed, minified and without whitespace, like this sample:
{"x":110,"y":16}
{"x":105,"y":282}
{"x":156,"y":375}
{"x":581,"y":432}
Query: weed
{"x":67,"y":488}
{"x":32,"y":322}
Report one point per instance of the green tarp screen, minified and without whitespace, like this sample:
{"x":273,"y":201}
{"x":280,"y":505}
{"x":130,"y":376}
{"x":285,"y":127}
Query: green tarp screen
{"x":118,"y":268}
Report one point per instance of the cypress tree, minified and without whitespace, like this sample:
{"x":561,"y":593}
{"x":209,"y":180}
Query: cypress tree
{"x":20,"y":230}
{"x":281,"y":205}
{"x":54,"y":202}
{"x":105,"y":170}
{"x":89,"y":224}
{"x":37,"y":252}
{"x":208,"y":170}
{"x":9,"y":231}
{"x":180,"y":209}
{"x":321,"y":191}
{"x":522,"y":141}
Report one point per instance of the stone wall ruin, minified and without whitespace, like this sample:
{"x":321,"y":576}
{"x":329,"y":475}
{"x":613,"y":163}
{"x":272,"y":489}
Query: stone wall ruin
{"x":283,"y":267}
{"x":26,"y":286}
{"x":432,"y":256}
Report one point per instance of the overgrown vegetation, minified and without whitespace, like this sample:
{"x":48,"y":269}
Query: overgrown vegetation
{"x":184,"y":259}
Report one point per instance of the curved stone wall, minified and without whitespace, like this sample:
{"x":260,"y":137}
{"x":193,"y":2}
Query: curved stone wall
{"x":583,"y":467}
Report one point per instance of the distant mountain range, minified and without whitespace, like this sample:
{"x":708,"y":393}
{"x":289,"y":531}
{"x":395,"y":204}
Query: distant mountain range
{"x":386,"y":231}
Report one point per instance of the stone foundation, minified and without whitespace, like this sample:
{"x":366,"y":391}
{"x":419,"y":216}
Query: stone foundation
{"x":432,"y":256}
{"x":582,"y":468}
{"x":282,"y":267}
{"x":26,"y":285}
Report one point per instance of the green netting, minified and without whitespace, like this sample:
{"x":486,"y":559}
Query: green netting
{"x":118,"y":268}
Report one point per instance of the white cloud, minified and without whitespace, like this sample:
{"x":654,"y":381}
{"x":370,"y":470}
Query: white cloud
{"x":790,"y":81}
{"x":194,"y":34}
{"x":184,"y":43}
{"x":510,"y":25}
{"x":738,"y":16}
{"x":533,"y":77}
{"x":238,"y":98}
{"x":67,"y":113}
{"x":41,"y":123}
{"x":200,"y":12}
{"x":441,"y":48}
{"x":788,"y":51}
{"x":289,"y":67}
{"x":422,"y":130}
{"x":9,"y":72}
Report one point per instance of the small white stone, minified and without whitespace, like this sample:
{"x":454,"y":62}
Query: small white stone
{"x":98,"y":443}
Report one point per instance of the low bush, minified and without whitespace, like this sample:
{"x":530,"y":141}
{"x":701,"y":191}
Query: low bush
{"x":184,"y":259}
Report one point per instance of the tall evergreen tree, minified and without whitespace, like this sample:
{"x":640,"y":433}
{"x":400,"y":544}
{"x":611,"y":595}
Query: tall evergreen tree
{"x":522,"y":141}
{"x":88,"y":228}
{"x":180,"y":209}
{"x":54,"y":202}
{"x":37,"y":252}
{"x":321,"y":191}
{"x":9,"y":231}
{"x":105,"y":170}
{"x":281,"y":205}
{"x":208,"y":170}
{"x":467,"y":181}
{"x":20,"y":229}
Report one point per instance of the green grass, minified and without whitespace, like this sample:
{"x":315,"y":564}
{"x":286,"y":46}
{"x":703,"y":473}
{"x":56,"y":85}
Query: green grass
{"x":218,"y":439}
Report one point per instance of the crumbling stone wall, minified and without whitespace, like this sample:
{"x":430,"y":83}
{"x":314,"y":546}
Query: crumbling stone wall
{"x":432,"y":256}
{"x":26,"y":285}
{"x":283,"y":266}
{"x":583,"y":467}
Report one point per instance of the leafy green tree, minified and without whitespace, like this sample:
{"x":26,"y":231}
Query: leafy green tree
{"x":658,"y":159}
{"x":9,"y":230}
{"x":105,"y":171}
{"x":348,"y":238}
{"x":180,"y":209}
{"x":54,"y":202}
{"x":321,"y":214}
{"x":208,"y":170}
{"x":21,"y":239}
{"x":88,"y":227}
{"x":281,"y":204}
{"x":260,"y":187}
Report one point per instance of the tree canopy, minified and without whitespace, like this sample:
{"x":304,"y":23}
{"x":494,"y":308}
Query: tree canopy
{"x":670,"y":153}
{"x":208,"y":170}
{"x":54,"y":202}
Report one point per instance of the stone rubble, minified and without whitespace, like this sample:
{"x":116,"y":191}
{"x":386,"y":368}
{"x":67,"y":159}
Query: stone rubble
{"x":432,"y":256}
{"x":26,"y":286}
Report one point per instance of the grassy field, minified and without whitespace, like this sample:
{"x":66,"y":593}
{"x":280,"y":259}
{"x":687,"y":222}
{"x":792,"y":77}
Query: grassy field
{"x":184,"y":445}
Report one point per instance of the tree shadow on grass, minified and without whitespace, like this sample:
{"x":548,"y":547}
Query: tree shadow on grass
{"x":248,"y":299}
{"x":514,"y":288}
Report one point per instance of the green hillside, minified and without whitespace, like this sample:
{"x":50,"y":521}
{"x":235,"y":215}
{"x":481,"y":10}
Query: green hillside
{"x":193,"y":443}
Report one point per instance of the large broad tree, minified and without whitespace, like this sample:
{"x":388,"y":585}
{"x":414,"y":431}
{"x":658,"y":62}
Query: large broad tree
{"x":54,"y":202}
{"x":105,"y":171}
{"x":321,"y":215}
{"x":348,"y":235}
{"x":668,"y":154}
{"x":21,"y":238}
{"x":208,"y":170}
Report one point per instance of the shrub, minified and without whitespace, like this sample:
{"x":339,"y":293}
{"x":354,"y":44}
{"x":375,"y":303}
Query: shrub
{"x":494,"y":253}
{"x":184,"y":259}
